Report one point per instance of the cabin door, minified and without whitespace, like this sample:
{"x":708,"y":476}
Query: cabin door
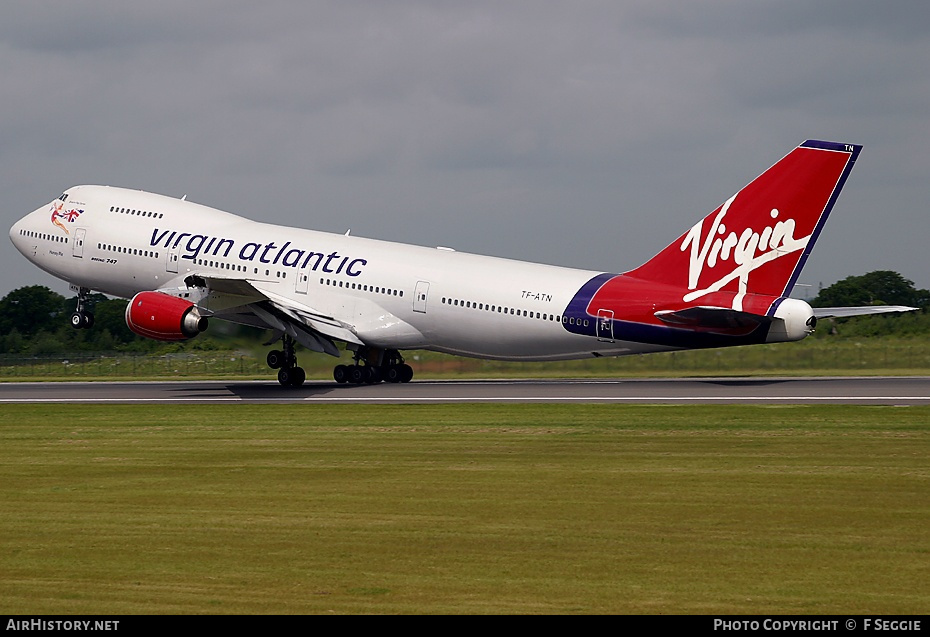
{"x":420,"y":296}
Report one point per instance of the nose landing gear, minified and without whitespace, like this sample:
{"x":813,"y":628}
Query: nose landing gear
{"x":82,"y":318}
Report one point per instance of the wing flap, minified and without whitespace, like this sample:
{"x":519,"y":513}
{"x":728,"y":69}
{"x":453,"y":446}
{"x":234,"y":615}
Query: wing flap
{"x":327,"y":325}
{"x":313,"y":341}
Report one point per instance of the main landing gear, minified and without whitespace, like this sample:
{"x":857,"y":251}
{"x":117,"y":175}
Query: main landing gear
{"x":373,"y":366}
{"x":82,"y":318}
{"x":285,"y":361}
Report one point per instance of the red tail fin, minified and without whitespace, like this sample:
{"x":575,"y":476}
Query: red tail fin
{"x":758,"y":240}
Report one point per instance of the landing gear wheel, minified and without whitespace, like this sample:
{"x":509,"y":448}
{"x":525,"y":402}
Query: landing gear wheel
{"x":275,"y":359}
{"x":82,"y":320}
{"x":372,"y":366}
{"x":406,"y":373}
{"x":359,"y":374}
{"x":285,"y":361}
{"x":291,"y":376}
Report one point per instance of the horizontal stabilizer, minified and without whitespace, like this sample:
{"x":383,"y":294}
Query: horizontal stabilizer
{"x":721,"y":320}
{"x":840,"y":312}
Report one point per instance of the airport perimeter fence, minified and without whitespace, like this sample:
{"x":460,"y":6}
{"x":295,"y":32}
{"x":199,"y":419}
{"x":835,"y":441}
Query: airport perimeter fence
{"x":813,"y":357}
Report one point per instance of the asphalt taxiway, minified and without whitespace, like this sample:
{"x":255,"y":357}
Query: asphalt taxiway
{"x":837,"y":390}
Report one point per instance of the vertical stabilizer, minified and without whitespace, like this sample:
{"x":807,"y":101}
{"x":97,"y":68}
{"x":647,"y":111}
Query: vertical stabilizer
{"x":758,"y":240}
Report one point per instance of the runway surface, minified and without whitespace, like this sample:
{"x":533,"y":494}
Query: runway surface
{"x":859,"y":390}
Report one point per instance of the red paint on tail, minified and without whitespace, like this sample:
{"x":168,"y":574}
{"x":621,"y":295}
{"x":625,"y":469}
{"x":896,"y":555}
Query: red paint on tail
{"x":758,"y":240}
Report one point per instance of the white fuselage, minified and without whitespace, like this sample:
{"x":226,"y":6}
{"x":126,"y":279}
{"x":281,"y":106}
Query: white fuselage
{"x":389,"y":295}
{"x":724,"y":282}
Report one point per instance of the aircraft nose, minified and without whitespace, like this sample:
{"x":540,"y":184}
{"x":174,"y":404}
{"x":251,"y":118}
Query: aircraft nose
{"x":17,"y":230}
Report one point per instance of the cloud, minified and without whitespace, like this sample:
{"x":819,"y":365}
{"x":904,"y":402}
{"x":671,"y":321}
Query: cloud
{"x":585,"y":134}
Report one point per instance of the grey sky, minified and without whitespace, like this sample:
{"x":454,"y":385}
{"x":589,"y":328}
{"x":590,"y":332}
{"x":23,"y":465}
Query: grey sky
{"x":585,"y":134}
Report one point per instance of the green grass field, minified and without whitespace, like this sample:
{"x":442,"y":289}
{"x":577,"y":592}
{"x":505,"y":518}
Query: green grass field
{"x":464,"y":509}
{"x":887,"y":356}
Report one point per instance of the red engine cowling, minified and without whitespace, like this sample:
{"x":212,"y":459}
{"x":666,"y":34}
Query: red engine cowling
{"x":164,"y":317}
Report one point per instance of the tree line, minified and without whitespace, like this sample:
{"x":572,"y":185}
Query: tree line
{"x":34,"y":319}
{"x":881,"y":287}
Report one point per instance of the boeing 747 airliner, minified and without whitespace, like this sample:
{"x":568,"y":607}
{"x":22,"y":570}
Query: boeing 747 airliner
{"x":724,"y":282}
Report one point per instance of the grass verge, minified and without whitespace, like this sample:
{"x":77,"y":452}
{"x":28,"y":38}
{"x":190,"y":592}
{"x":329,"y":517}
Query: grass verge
{"x":811,"y":357}
{"x":464,"y":509}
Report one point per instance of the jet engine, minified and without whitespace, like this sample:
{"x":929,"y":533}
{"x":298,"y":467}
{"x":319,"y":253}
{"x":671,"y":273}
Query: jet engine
{"x":163,"y":317}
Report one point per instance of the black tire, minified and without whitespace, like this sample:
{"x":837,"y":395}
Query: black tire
{"x":406,"y":373}
{"x":275,"y":359}
{"x":393,"y":374}
{"x":298,"y":376}
{"x":285,"y":374}
{"x":88,"y":321}
{"x":357,"y":375}
{"x":77,"y":320}
{"x":341,"y":374}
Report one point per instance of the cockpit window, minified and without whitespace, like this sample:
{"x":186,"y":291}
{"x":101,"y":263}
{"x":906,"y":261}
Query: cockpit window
{"x":64,"y":197}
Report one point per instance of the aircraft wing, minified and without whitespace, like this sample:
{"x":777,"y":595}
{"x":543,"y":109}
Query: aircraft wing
{"x":327,"y":325}
{"x":840,"y":312}
{"x":223,"y":285}
{"x":311,"y":328}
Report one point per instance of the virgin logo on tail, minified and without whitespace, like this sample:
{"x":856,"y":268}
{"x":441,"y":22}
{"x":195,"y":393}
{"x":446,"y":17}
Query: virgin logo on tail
{"x":758,"y":240}
{"x":746,"y":251}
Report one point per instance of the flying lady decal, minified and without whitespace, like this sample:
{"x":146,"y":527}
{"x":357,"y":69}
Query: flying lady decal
{"x":59,"y":213}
